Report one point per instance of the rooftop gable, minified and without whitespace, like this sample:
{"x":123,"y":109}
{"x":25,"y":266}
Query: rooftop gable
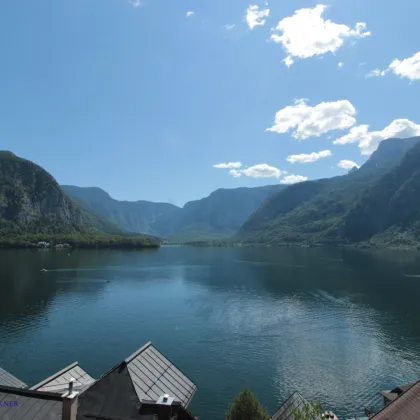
{"x":59,"y":381}
{"x":7,"y":379}
{"x":154,"y":375}
{"x":294,"y":402}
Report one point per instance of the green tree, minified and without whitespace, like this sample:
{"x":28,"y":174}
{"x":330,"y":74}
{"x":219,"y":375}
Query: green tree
{"x":310,"y":411}
{"x":246,"y":407}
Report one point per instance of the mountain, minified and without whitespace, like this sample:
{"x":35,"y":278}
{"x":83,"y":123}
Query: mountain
{"x":137,"y":216}
{"x":317,"y":211}
{"x":33,"y":204}
{"x":389,"y":209}
{"x":31,"y":201}
{"x":221,"y":214}
{"x":217,"y":216}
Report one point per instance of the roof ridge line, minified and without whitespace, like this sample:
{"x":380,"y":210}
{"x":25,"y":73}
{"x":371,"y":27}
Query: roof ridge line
{"x":137,"y":352}
{"x":54,"y":376}
{"x":32,"y":393}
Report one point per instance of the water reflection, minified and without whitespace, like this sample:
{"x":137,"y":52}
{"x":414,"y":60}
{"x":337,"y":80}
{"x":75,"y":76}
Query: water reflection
{"x":338,"y":325}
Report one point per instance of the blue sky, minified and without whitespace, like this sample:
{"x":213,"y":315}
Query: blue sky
{"x":143,"y":100}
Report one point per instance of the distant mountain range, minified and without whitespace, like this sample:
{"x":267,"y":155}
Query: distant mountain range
{"x":377,"y":204}
{"x":215,"y":217}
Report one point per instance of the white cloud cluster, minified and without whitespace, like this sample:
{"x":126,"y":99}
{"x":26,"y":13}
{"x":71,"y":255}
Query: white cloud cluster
{"x":256,"y":17}
{"x":369,"y":140}
{"x":293,"y":179}
{"x":261,"y":170}
{"x":340,"y":65}
{"x":229,"y":165}
{"x":347,"y":164}
{"x":230,"y":27}
{"x":307,"y":121}
{"x":408,"y":68}
{"x":190,"y":13}
{"x":258,"y":171}
{"x":309,"y":158}
{"x":307,"y":34}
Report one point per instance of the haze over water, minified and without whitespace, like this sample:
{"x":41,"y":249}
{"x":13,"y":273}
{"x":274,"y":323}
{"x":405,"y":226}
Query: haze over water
{"x":337,"y":325}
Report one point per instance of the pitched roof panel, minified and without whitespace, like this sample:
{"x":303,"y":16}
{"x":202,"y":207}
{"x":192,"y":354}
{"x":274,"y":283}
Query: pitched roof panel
{"x":59,"y":382}
{"x":405,"y":407}
{"x":30,"y":405}
{"x":285,"y":412}
{"x":154,"y":375}
{"x":8,"y":379}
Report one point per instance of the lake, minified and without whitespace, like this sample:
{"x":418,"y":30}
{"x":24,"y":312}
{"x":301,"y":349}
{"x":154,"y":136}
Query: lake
{"x":337,"y":325}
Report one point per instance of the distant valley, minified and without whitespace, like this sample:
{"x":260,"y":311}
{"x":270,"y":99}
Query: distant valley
{"x":216,"y":217}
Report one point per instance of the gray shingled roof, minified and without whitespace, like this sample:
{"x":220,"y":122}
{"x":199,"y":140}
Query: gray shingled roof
{"x":30,"y":405}
{"x":396,"y":392}
{"x":153,"y":375}
{"x":285,"y":412}
{"x":59,"y":382}
{"x":405,"y":407}
{"x":8,"y":379}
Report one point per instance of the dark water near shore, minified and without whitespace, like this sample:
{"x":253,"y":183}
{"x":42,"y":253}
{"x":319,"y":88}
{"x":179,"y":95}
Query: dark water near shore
{"x":337,"y":325}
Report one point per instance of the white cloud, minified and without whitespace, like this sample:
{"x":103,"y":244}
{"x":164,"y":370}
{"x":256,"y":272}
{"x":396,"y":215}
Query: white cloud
{"x":136,"y":3}
{"x":369,"y":140}
{"x":229,"y":27}
{"x":235,"y":173}
{"x":190,"y":13}
{"x":309,"y":158}
{"x":340,"y":65}
{"x":307,"y":121}
{"x":229,"y":165}
{"x":376,"y":73}
{"x":347,"y":164}
{"x":288,"y":61}
{"x":408,"y":68}
{"x":307,"y":34}
{"x":256,"y":17}
{"x":258,"y":171}
{"x":293,"y":179}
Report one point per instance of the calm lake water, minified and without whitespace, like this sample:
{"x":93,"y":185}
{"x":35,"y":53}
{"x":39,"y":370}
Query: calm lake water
{"x":336,"y":325}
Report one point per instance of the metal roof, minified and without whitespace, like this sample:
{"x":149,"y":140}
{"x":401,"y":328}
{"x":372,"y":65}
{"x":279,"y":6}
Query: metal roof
{"x":153,"y":375}
{"x":396,"y":392}
{"x":8,"y":379}
{"x":30,"y":405}
{"x":285,"y":412}
{"x":59,"y":382}
{"x":405,"y":407}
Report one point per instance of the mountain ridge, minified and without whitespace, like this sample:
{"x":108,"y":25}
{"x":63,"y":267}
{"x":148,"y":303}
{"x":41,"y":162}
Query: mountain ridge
{"x":217,"y":216}
{"x":310,"y":212}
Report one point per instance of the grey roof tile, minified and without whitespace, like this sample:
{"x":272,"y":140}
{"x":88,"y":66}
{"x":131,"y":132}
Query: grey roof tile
{"x":59,"y":382}
{"x":31,"y":405}
{"x":8,"y":379}
{"x":154,"y":375}
{"x":405,"y":407}
{"x":285,"y":412}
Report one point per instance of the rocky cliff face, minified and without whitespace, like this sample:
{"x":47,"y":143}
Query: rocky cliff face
{"x":31,"y":201}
